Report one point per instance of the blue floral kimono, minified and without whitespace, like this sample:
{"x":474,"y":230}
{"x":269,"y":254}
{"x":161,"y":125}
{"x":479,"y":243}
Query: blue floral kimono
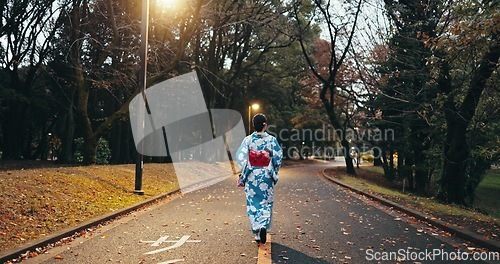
{"x":259,"y":181}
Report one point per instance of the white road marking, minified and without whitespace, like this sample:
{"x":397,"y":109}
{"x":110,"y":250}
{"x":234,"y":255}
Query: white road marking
{"x":171,"y":261}
{"x":161,"y":240}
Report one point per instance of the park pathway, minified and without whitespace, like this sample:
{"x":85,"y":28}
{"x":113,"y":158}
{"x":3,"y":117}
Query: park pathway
{"x":315,"y":221}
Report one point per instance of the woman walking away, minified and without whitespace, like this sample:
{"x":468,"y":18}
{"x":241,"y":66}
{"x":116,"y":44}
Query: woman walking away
{"x":259,"y":158}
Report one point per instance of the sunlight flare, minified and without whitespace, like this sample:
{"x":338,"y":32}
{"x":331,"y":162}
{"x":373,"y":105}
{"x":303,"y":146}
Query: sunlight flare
{"x":167,"y":3}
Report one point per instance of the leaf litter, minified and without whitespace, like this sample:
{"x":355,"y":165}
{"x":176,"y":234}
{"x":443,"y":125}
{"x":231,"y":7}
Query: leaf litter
{"x":40,"y":201}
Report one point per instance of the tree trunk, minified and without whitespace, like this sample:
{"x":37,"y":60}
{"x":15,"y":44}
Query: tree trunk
{"x":405,"y":171}
{"x":89,"y":138}
{"x":68,"y":136}
{"x":115,"y":144}
{"x":340,"y":130}
{"x":456,"y":153}
{"x":385,"y":165}
{"x":456,"y":150}
{"x":14,"y":133}
{"x":127,"y":144}
{"x":454,"y":169}
{"x":26,"y":146}
{"x":13,"y":126}
{"x":420,"y":172}
{"x":43,"y":148}
{"x":90,"y":150}
{"x":377,"y":157}
{"x":348,"y":159}
{"x":390,"y":172}
{"x":42,"y":151}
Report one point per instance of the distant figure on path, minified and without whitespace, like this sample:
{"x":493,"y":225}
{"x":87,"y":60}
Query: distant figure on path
{"x":259,"y":158}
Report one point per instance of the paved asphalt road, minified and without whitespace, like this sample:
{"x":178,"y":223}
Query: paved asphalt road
{"x":315,"y":221}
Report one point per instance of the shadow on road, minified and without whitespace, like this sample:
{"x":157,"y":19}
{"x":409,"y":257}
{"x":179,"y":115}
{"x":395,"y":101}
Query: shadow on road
{"x":284,"y":254}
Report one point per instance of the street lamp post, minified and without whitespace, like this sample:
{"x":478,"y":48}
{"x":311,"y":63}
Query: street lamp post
{"x":250,"y":107}
{"x":143,"y":53}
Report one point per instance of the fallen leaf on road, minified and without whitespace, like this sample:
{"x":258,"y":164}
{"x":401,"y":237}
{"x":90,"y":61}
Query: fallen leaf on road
{"x":58,"y":257}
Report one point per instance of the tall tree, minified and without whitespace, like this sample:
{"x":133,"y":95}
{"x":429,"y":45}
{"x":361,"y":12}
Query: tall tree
{"x":100,"y":37}
{"x":225,"y":41}
{"x":466,"y":51}
{"x":233,"y":40}
{"x":26,"y":34}
{"x":406,"y":98}
{"x":340,"y":30}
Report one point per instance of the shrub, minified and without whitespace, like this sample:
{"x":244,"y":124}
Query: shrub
{"x":103,"y":151}
{"x":367,"y":157}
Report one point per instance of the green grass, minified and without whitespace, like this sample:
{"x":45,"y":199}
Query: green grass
{"x":373,"y":169}
{"x":487,"y":201}
{"x":370,"y":187}
{"x":487,"y":198}
{"x":488,"y":194}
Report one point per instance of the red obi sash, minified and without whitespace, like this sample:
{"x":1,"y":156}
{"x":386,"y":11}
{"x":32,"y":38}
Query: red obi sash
{"x":259,"y":158}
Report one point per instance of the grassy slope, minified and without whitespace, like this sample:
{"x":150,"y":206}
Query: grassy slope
{"x":39,"y":201}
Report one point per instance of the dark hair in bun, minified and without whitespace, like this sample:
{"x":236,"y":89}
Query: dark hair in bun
{"x":259,"y":121}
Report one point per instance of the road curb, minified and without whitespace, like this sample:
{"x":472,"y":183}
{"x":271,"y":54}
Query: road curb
{"x":465,"y":234}
{"x":70,"y":231}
